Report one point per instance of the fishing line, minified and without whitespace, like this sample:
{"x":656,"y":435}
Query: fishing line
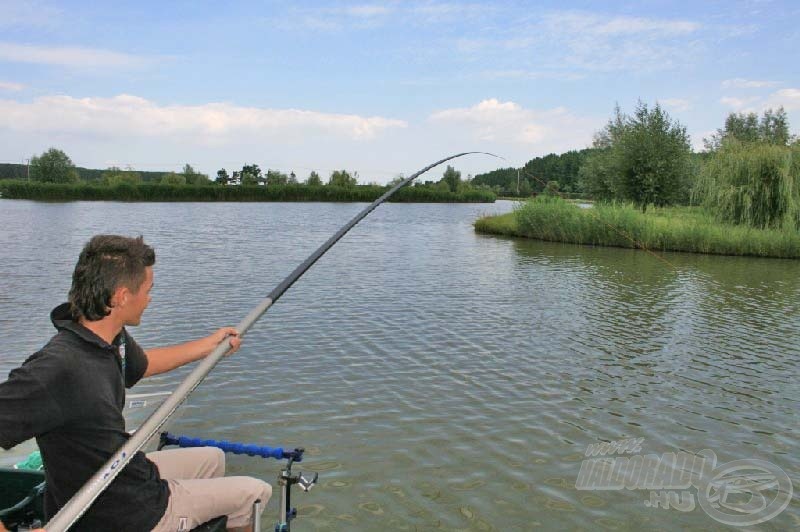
{"x":83,"y":499}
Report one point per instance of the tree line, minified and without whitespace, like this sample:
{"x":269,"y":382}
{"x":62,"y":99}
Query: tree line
{"x":55,"y":166}
{"x":559,"y":172}
{"x":53,"y":176}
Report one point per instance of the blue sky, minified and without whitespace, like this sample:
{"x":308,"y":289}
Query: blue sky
{"x":381,"y":88}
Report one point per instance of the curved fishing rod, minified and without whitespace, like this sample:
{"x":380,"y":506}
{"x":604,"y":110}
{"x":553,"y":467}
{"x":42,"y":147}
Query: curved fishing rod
{"x":83,"y":499}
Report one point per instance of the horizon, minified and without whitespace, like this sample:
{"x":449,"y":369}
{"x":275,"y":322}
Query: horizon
{"x":378,"y":88}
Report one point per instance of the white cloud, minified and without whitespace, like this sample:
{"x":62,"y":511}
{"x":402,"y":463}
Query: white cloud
{"x":123,"y":130}
{"x":738,"y":104}
{"x":599,"y":43}
{"x":508,"y":122}
{"x":580,"y":23}
{"x":579,"y":41}
{"x":436,"y":12}
{"x":678,"y":104}
{"x":69,"y":56}
{"x":126,"y":116}
{"x":788,"y":98}
{"x":742,"y":83}
{"x":362,"y":16}
{"x":374,"y":15}
{"x":11,"y":86}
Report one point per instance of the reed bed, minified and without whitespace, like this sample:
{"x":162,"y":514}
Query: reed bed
{"x":689,"y":229}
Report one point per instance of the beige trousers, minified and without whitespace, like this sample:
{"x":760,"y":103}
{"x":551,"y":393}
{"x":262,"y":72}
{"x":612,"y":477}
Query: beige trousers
{"x":199,"y":492}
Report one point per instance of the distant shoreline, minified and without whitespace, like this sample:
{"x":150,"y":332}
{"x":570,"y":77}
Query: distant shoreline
{"x":149,"y":192}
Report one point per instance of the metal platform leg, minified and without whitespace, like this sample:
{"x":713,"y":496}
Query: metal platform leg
{"x":257,"y":516}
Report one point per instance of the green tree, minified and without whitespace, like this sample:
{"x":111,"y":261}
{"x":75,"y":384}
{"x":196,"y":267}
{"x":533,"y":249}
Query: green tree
{"x":173,"y":178}
{"x":314,"y":180}
{"x":564,"y":168}
{"x":292,"y":178}
{"x":342,"y":178}
{"x":772,"y":128}
{"x":53,"y":166}
{"x":397,"y":179}
{"x":193,"y":177}
{"x":652,"y":158}
{"x":222,"y":177}
{"x":452,"y":177}
{"x":275,"y":177}
{"x":597,"y":175}
{"x":250,"y":175}
{"x":115,"y":175}
{"x":249,"y":180}
{"x":752,"y":183}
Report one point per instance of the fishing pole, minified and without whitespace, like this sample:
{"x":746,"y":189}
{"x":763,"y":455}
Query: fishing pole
{"x":83,"y":499}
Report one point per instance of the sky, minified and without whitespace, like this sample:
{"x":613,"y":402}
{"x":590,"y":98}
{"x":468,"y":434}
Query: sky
{"x":381,"y":88}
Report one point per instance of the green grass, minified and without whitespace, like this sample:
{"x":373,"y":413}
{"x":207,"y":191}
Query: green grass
{"x":690,"y":229}
{"x":156,"y":192}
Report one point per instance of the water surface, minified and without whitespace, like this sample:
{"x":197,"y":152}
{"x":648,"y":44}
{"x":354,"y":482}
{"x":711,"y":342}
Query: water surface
{"x":440,"y":378}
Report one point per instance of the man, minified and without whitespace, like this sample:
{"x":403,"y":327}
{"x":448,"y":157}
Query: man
{"x":70,"y":395}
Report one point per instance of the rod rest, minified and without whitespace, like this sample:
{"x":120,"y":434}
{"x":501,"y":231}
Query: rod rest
{"x":232,"y":447}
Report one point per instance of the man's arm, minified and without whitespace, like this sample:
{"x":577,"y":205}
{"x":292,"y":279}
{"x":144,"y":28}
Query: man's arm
{"x":28,"y":400}
{"x":163,"y":359}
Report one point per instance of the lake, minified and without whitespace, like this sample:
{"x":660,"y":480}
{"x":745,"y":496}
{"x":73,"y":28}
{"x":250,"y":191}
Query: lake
{"x":441,"y":379}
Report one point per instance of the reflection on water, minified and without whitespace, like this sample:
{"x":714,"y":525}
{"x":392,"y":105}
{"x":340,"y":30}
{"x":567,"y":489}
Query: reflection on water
{"x":442,"y":379}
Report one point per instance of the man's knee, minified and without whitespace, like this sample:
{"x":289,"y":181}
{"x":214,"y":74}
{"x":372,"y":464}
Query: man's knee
{"x":218,"y":461}
{"x":259,"y":490}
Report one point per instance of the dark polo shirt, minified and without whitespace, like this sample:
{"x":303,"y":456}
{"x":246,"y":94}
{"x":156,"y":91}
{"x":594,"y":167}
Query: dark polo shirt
{"x":69,"y":396}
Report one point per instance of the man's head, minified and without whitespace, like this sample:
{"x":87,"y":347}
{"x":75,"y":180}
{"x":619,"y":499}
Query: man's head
{"x":113,"y":272}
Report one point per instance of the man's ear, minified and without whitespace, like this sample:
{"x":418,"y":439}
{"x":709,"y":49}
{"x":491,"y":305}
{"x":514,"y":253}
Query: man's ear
{"x":120,"y":297}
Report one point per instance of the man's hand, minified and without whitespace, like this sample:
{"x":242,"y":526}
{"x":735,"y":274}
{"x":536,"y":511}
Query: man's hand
{"x":216,"y":338}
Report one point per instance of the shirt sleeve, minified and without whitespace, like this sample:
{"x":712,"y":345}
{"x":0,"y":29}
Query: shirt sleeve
{"x":27,"y":408}
{"x":135,"y":363}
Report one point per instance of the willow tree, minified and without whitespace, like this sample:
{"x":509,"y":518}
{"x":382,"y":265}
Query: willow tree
{"x":753,"y":184}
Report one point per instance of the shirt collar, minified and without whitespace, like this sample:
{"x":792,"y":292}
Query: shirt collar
{"x":61,"y":316}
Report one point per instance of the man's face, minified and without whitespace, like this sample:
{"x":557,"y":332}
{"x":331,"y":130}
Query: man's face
{"x":138,"y":301}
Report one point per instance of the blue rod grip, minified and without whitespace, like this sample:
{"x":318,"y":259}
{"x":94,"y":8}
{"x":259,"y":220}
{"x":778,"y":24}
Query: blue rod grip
{"x":229,"y":447}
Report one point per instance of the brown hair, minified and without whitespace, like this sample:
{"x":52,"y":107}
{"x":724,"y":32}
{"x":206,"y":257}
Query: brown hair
{"x":106,"y":263}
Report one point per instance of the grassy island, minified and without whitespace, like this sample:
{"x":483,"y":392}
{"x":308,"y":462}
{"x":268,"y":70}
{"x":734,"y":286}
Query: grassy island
{"x":689,"y":229}
{"x":15,"y":189}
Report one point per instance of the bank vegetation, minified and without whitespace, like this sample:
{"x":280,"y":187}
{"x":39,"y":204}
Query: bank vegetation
{"x":739,"y":197}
